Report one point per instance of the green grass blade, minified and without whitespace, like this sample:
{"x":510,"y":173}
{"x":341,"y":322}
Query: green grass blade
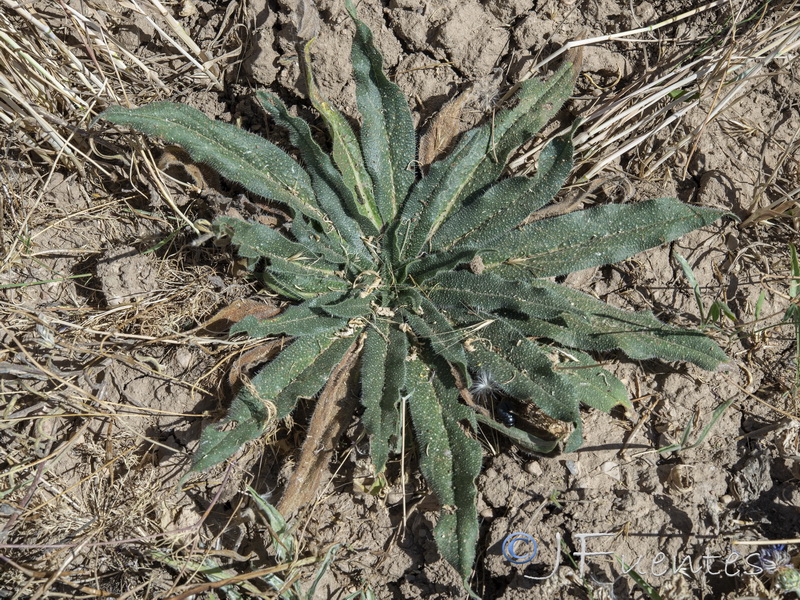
{"x":598,"y":236}
{"x":689,"y":274}
{"x":388,"y":141}
{"x":684,"y":442}
{"x":284,"y":543}
{"x":242,"y":157}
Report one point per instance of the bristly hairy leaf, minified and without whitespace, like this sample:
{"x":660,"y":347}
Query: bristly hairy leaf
{"x":432,"y":279}
{"x":449,"y":459}
{"x":387,"y":131}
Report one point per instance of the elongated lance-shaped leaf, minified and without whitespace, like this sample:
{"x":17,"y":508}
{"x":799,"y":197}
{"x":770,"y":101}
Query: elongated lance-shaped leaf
{"x":595,"y":387}
{"x":299,"y":280}
{"x":597,"y":236}
{"x":255,"y":241}
{"x":245,"y":158}
{"x":449,"y":459}
{"x":426,"y":267}
{"x":353,"y":306}
{"x":501,"y":207}
{"x":507,"y":203}
{"x":333,"y":196}
{"x":383,"y":378}
{"x":388,"y":141}
{"x":480,"y":158}
{"x":572,"y":318}
{"x":222,"y":440}
{"x":489,"y":292}
{"x":523,"y":439}
{"x":285,"y":544}
{"x":313,"y":378}
{"x":291,"y":366}
{"x":307,"y":318}
{"x":433,"y":327}
{"x":643,"y":342}
{"x":307,"y":362}
{"x":524,"y":371}
{"x":346,"y":149}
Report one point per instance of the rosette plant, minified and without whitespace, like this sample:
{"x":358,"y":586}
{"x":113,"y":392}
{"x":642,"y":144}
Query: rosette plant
{"x":430,"y":279}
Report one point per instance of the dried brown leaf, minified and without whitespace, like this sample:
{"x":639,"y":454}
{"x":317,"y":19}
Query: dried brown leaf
{"x":442,"y":130}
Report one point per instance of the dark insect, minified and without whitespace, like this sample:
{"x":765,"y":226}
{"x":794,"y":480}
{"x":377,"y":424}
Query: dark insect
{"x":505,"y":413}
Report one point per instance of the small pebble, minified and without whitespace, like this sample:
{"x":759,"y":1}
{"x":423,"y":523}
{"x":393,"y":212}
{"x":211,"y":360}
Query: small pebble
{"x":534,"y":468}
{"x":393,"y":498}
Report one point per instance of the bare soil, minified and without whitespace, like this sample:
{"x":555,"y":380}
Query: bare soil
{"x":108,"y":371}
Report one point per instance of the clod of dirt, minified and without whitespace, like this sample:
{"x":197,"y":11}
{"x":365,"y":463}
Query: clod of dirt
{"x":477,"y":54}
{"x":126,"y":276}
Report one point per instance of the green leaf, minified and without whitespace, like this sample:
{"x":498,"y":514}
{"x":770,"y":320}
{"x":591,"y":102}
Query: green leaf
{"x":641,"y":336}
{"x":524,"y":371}
{"x":574,"y":319}
{"x":687,"y":271}
{"x":478,"y":159}
{"x":284,"y":543}
{"x":256,"y":241}
{"x":450,"y":461}
{"x":246,"y":421}
{"x":523,"y":439}
{"x":351,"y":307}
{"x":245,"y":158}
{"x":307,"y":318}
{"x":794,"y":283}
{"x":291,"y":366}
{"x":388,"y":141}
{"x":300,"y":370}
{"x":333,"y":196}
{"x":489,"y":292}
{"x":383,"y":377}
{"x":299,"y":279}
{"x":426,"y":267}
{"x":595,"y":387}
{"x":507,"y":203}
{"x":346,"y":150}
{"x":597,"y":236}
{"x":432,"y":326}
{"x":313,"y":378}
